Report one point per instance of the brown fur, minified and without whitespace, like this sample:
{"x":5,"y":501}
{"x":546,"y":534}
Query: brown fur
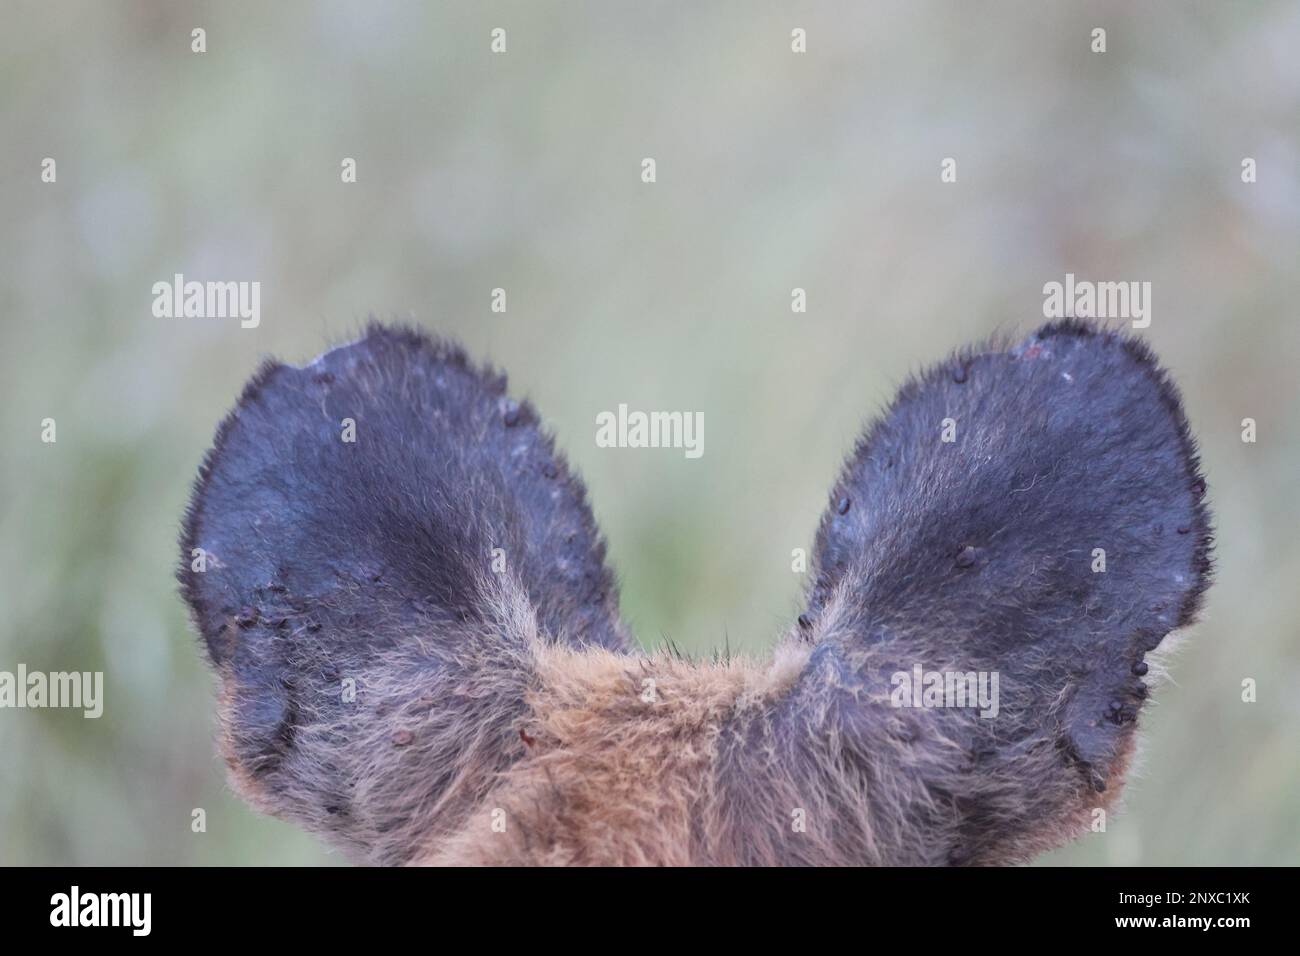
{"x":632,"y":760}
{"x":621,"y":761}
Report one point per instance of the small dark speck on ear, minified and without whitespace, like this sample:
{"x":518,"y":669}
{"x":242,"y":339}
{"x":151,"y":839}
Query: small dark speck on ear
{"x":965,"y":557}
{"x":1140,"y":669}
{"x":842,"y":506}
{"x":804,"y":621}
{"x":510,"y":413}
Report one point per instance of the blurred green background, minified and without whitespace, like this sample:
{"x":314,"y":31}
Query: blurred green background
{"x":522,"y":171}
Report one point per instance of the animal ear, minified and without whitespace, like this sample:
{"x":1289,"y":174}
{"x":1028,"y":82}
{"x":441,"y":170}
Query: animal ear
{"x":1032,"y":512}
{"x":373,"y":545}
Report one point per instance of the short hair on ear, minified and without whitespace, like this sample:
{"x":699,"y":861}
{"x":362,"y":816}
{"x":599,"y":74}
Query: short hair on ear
{"x":386,"y":515}
{"x":962,"y":537}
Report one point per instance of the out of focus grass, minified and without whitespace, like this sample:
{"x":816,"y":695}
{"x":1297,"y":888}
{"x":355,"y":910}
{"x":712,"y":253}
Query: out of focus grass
{"x":521,"y":171}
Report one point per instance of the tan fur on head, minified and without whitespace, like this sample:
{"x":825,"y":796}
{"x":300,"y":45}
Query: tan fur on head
{"x":620,"y":762}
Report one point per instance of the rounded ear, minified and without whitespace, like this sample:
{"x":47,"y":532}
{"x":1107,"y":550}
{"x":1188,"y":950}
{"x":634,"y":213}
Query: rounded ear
{"x":1034,"y":512}
{"x":373,"y":542}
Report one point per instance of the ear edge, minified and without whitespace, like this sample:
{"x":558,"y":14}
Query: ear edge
{"x":1171,"y":399}
{"x":397,"y":337}
{"x":956,"y":366}
{"x":441,"y":350}
{"x":189,"y":537}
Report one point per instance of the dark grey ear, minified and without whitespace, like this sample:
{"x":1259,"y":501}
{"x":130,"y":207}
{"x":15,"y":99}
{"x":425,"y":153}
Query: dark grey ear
{"x":374,"y":484}
{"x":969,"y":531}
{"x":370,"y":516}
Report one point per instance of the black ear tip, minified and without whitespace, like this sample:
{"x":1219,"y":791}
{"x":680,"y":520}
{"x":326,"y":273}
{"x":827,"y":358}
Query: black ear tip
{"x":1124,"y":353}
{"x":394,"y":344}
{"x":400,"y":336}
{"x":1069,"y":328}
{"x":1075,"y":333}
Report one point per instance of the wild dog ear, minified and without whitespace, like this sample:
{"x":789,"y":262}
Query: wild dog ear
{"x":1036,"y":512}
{"x":371,"y":544}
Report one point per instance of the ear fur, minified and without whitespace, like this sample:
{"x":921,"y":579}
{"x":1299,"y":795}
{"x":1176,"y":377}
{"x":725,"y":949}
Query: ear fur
{"x":416,"y":561}
{"x":983,"y":553}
